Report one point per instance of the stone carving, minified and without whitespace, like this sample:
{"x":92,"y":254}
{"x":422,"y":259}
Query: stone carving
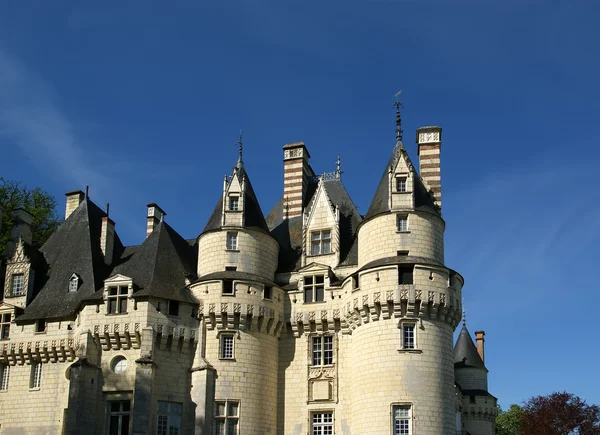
{"x":211,"y":308}
{"x":429,"y":137}
{"x":376,"y":296}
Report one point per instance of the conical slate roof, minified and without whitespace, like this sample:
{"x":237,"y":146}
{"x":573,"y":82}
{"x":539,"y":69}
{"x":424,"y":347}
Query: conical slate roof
{"x":379,"y":204}
{"x":73,"y":249}
{"x":160,"y":266}
{"x":465,"y":351}
{"x":253,"y":215}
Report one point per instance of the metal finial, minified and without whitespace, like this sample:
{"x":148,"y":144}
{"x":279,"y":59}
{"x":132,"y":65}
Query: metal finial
{"x":241,"y":146}
{"x":338,"y":167}
{"x":464,"y":318}
{"x":107,"y":208}
{"x":398,"y":105}
{"x":87,"y":191}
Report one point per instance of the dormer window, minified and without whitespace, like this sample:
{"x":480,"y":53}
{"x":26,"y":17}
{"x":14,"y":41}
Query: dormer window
{"x":17,"y":287}
{"x":117,"y":300}
{"x":234,"y":202}
{"x":320,"y":242}
{"x":73,"y":283}
{"x":401,"y":184}
{"x":314,"y":288}
{"x":5,"y":325}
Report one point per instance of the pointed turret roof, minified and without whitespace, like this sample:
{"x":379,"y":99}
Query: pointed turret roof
{"x":465,"y":351}
{"x":253,"y":215}
{"x":73,"y":248}
{"x":380,"y":204}
{"x":159,"y":266}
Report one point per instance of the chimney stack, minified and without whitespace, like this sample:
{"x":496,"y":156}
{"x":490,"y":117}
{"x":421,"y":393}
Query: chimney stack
{"x":480,"y":344}
{"x":107,"y":239}
{"x":22,"y":221}
{"x":155,"y":216}
{"x":429,"y":140}
{"x":297,"y":175}
{"x":74,"y":198}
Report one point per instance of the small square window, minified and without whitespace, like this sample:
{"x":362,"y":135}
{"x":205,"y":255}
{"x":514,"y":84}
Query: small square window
{"x":228,"y":288}
{"x":400,"y":184}
{"x":233,"y":203}
{"x":405,"y":274}
{"x":17,"y":285}
{"x":5,"y":325}
{"x":402,"y":222}
{"x":402,"y":253}
{"x":173,"y":308}
{"x":268,"y":292}
{"x":230,"y":268}
{"x":232,"y":241}
{"x":40,"y":325}
{"x":227,"y":346}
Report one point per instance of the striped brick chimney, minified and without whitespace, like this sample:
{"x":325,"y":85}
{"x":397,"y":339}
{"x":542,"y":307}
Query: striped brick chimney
{"x":479,"y":337}
{"x":297,"y":175}
{"x":155,"y":216}
{"x":429,"y":140}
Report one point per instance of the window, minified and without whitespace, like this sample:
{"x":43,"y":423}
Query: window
{"x":401,"y":416}
{"x":36,"y":375}
{"x":322,"y":423}
{"x":405,"y":274}
{"x":400,"y":184}
{"x":169,"y":418}
{"x":173,"y":308}
{"x":402,"y":222}
{"x":402,"y":253}
{"x":314,"y":288}
{"x":226,"y":346}
{"x":117,"y":300}
{"x":322,"y":350}
{"x":320,"y":242}
{"x":230,"y":268}
{"x":5,"y":325}
{"x":119,"y":364}
{"x":16,"y":286}
{"x":268,"y":292}
{"x":73,"y":284}
{"x":233,"y":203}
{"x":5,"y":374}
{"x":40,"y":325}
{"x":408,"y":336}
{"x":227,"y":416}
{"x":118,"y":418}
{"x":228,"y":288}
{"x":232,"y":241}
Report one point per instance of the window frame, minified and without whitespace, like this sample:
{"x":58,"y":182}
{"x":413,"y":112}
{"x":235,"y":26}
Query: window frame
{"x":226,"y":419}
{"x":119,"y":297}
{"x":409,"y":336}
{"x":322,"y":350}
{"x":13,"y":281}
{"x":320,"y":428}
{"x":402,"y":227}
{"x":171,"y":303}
{"x":232,"y":241}
{"x":230,"y":355}
{"x":4,"y":376}
{"x":401,"y":184}
{"x":314,"y":287}
{"x":35,"y":378}
{"x":41,"y":326}
{"x":319,"y":242}
{"x":5,"y":325}
{"x":73,"y":284}
{"x":268,"y":292}
{"x":173,"y":416}
{"x":120,"y":414}
{"x":407,"y":430}
{"x":234,"y":203}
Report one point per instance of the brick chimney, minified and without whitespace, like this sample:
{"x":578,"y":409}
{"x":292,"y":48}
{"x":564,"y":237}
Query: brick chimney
{"x":297,"y":175}
{"x":429,"y":140}
{"x":22,"y":221}
{"x":480,"y":344}
{"x":155,"y":216}
{"x":74,"y":198}
{"x":107,"y":238}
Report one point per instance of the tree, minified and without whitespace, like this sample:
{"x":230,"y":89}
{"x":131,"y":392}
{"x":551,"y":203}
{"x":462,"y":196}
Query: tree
{"x":560,"y":414}
{"x":39,"y":203}
{"x":509,"y":422}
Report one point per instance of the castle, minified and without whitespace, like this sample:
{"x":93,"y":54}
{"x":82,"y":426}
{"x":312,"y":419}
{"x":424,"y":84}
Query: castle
{"x":312,"y":320}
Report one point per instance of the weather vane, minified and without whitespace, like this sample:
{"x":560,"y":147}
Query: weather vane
{"x":398,"y":105}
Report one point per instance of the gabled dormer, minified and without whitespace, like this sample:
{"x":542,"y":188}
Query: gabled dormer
{"x":234,"y":191}
{"x":321,"y":235}
{"x":74,"y":283}
{"x":118,"y":294}
{"x":19,"y":279}
{"x":401,"y":181}
{"x":315,"y":279}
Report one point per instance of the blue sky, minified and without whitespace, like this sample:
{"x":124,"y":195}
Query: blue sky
{"x":143,"y":101}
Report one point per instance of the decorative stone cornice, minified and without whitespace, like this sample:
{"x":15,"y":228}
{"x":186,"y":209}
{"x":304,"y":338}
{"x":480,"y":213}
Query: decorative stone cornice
{"x":45,"y":351}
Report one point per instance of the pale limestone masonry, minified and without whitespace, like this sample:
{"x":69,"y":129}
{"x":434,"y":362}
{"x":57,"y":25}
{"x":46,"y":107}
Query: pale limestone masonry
{"x":315,"y":320}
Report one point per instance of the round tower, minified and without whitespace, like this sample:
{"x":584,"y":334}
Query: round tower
{"x":241,"y":312}
{"x":403,"y":362}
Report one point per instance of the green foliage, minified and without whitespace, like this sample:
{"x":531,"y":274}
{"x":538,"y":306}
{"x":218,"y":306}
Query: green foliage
{"x":40,"y":204}
{"x":509,"y":422}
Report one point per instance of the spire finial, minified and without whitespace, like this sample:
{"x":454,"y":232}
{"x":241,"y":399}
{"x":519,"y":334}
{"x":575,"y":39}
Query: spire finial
{"x":464,"y":318}
{"x":398,"y":104}
{"x":240,"y":144}
{"x":338,"y":167}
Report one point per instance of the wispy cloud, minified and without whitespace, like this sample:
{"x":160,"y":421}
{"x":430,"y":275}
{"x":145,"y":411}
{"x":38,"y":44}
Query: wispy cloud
{"x":31,"y":120}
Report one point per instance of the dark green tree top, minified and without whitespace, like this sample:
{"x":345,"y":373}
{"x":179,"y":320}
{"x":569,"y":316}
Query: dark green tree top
{"x":509,"y":422}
